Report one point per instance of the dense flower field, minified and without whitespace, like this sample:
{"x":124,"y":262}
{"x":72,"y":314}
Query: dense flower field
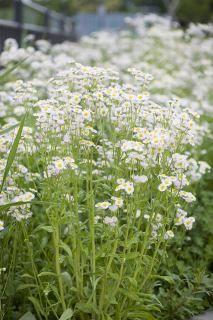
{"x":102,"y":150}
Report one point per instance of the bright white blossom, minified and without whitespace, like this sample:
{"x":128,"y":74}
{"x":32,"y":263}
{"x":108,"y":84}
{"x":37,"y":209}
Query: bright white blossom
{"x":1,"y":225}
{"x":103,"y":205}
{"x":188,"y":223}
{"x":169,"y":235}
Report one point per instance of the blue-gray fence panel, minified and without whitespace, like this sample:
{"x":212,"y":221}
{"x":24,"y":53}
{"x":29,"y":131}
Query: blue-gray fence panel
{"x":87,"y":23}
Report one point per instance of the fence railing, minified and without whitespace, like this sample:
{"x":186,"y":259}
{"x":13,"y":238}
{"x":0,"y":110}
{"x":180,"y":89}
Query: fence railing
{"x":88,"y":22}
{"x":51,"y":25}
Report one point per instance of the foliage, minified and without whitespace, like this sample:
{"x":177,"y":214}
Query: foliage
{"x":98,"y":181}
{"x":195,"y":11}
{"x":187,"y":10}
{"x":190,"y":265}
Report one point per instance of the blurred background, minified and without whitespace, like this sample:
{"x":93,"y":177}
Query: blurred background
{"x":92,"y":15}
{"x":186,"y":10}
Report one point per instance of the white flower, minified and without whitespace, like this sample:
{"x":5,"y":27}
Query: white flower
{"x":103,"y":205}
{"x":26,"y":197}
{"x":147,"y":216}
{"x":87,"y":114}
{"x":69,"y":197}
{"x":129,"y":187}
{"x":68,"y":161}
{"x":169,"y":235}
{"x":113,"y":208}
{"x":162,"y":187}
{"x":188,"y":223}
{"x":158,"y":217}
{"x":180,"y":217}
{"x":167,"y":182}
{"x":1,"y":225}
{"x":187,"y":196}
{"x":111,"y":221}
{"x":118,"y":202}
{"x":120,"y":181}
{"x":59,"y":164}
{"x":2,"y":270}
{"x":138,"y":213}
{"x":141,"y":179}
{"x":204,"y":167}
{"x":119,"y":187}
{"x":97,"y":218}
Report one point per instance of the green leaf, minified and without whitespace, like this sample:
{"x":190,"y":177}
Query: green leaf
{"x":131,"y":255}
{"x":67,"y":279}
{"x":67,"y":314}
{"x":47,"y":273}
{"x":13,"y":151}
{"x":168,"y":279}
{"x":66,"y":248}
{"x":11,"y":69}
{"x":26,"y":275}
{"x":37,"y":306}
{"x":129,"y":294}
{"x":143,"y":315}
{"x":8,"y":129}
{"x":19,"y":203}
{"x":26,"y":286}
{"x":86,"y":307}
{"x":28,"y":316}
{"x":12,"y":204}
{"x":132,"y":281}
{"x":45,"y":228}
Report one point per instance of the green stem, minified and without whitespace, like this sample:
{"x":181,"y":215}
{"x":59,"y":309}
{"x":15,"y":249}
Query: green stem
{"x":57,"y":265}
{"x":92,"y":228}
{"x":102,"y":296}
{"x":152,"y":264}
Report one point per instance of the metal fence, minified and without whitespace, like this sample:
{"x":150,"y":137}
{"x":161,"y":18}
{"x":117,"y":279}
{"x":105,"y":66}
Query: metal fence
{"x":87,"y":23}
{"x":52,"y":26}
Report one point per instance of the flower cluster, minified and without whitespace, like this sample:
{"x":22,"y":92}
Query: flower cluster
{"x":110,"y":152}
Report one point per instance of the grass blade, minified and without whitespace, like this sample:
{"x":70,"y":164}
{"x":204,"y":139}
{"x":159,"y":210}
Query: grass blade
{"x":6,"y":130}
{"x":10,"y":70}
{"x":13,"y":151}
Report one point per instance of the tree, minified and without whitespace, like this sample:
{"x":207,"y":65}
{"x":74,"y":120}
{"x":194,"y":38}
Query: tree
{"x":195,"y":11}
{"x":171,"y":7}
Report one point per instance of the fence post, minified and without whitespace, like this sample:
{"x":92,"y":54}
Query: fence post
{"x":62,"y":25}
{"x":73,"y":36}
{"x":18,"y":17}
{"x":47,"y":22}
